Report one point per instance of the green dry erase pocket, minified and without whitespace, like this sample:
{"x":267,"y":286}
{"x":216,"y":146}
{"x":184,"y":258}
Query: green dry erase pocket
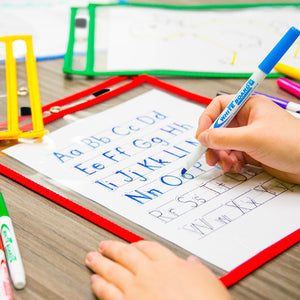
{"x":204,"y":40}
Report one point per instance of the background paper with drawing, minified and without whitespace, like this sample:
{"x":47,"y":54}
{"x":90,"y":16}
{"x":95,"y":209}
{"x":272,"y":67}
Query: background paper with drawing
{"x":223,"y":41}
{"x":129,"y":158}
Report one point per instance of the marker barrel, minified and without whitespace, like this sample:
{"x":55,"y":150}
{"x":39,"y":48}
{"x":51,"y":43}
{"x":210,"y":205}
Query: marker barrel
{"x":289,"y":106}
{"x":5,"y":290}
{"x":193,"y":157}
{"x":288,"y":71}
{"x":239,"y":100}
{"x":13,"y":257}
{"x":289,"y":86}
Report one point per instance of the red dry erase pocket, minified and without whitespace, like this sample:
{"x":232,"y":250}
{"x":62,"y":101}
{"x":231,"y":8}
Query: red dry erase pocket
{"x":91,"y":213}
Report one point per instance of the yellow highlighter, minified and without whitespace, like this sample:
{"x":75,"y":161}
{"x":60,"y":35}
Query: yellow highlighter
{"x":288,"y":71}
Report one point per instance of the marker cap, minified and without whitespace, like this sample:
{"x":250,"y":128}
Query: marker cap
{"x":279,"y":50}
{"x":3,"y":209}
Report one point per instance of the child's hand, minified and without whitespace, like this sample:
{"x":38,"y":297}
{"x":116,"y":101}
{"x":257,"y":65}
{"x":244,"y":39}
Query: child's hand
{"x":146,"y":270}
{"x":262,"y":134}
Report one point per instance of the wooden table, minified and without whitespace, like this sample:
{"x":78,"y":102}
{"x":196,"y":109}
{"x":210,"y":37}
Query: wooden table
{"x":54,"y":241}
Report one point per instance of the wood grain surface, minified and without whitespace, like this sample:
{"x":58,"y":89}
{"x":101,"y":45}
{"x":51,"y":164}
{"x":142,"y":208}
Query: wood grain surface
{"x":54,"y":241}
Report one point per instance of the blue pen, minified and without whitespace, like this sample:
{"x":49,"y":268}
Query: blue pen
{"x":247,"y":89}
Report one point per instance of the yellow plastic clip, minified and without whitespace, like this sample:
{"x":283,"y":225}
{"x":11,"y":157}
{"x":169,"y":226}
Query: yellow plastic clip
{"x":13,"y":130}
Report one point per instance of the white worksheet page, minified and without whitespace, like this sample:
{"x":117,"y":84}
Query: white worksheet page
{"x":129,"y":159}
{"x":220,"y":41}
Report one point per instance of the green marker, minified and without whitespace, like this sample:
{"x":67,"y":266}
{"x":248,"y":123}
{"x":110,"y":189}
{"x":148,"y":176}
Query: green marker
{"x":13,"y":257}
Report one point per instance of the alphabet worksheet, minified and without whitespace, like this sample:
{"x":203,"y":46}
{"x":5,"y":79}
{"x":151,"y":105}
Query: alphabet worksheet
{"x":129,"y":159}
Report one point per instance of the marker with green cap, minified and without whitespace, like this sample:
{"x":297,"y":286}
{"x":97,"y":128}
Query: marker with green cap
{"x":13,"y":257}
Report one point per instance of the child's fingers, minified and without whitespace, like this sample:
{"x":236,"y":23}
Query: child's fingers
{"x":212,"y":112}
{"x":192,"y":259}
{"x":124,"y":254}
{"x":154,"y":250}
{"x":229,"y":161}
{"x":238,"y":161}
{"x":237,"y":138}
{"x":212,"y":157}
{"x":225,"y":161}
{"x":105,"y":290}
{"x":216,"y":107}
{"x":109,"y":270}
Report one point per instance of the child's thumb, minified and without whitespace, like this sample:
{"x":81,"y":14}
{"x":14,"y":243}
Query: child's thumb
{"x":223,"y":138}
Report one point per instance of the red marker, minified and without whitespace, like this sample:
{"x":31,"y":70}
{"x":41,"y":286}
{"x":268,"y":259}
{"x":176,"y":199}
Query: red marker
{"x":290,"y":86}
{"x":5,"y":291}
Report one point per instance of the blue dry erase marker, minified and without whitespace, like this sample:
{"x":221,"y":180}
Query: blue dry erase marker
{"x":13,"y":257}
{"x":247,"y":89}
